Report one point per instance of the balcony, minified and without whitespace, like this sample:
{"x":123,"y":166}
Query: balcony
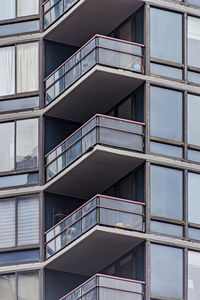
{"x":76,"y":161}
{"x":104,"y":287}
{"x":102,"y":210}
{"x":99,"y":75}
{"x":65,"y":19}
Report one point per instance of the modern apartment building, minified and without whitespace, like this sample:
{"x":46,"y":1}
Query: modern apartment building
{"x":100,"y":149}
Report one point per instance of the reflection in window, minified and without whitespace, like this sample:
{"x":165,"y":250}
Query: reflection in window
{"x":193,"y":120}
{"x":24,"y":8}
{"x":166,"y":272}
{"x":166,"y":192}
{"x":193,"y":42}
{"x":194,"y":198}
{"x":166,"y":35}
{"x":193,"y":275}
{"x":165,"y":113}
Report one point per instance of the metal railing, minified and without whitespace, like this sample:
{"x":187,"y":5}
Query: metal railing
{"x":100,"y":129}
{"x":105,"y":287}
{"x":54,"y":9}
{"x":101,"y":50}
{"x":102,"y":210}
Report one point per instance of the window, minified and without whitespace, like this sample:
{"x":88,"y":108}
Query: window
{"x":166,"y":192}
{"x":193,"y":275}
{"x":19,"y":221}
{"x":193,"y":119}
{"x":23,"y":134}
{"x":166,"y":113}
{"x":193,"y":42}
{"x":194,"y":2}
{"x":166,"y":272}
{"x":20,"y":286}
{"x":166,"y":35}
{"x":11,"y":9}
{"x":194,"y":198}
{"x":23,"y":57}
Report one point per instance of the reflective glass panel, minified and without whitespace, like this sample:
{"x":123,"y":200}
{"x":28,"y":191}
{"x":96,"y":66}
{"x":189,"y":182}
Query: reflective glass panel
{"x":166,"y":35}
{"x":194,"y":2}
{"x":193,"y":132}
{"x":7,"y":147}
{"x":166,"y":149}
{"x":166,"y":113}
{"x":166,"y":272}
{"x":193,"y":42}
{"x":166,"y":71}
{"x":194,"y":198}
{"x":166,"y":228}
{"x":27,"y":144}
{"x":166,"y":192}
{"x":193,"y":275}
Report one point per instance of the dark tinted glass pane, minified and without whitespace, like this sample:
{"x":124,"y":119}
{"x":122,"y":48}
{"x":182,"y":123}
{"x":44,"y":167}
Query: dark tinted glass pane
{"x":21,"y":27}
{"x":19,"y":104}
{"x":15,"y":256}
{"x":17,"y":180}
{"x":166,"y":35}
{"x":166,"y":113}
{"x":166,"y":192}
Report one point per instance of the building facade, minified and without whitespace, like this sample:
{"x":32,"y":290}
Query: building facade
{"x":100,"y":149}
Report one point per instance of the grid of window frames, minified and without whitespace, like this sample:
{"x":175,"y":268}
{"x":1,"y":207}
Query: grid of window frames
{"x":11,"y":9}
{"x":174,"y":212}
{"x":166,"y":45}
{"x":21,"y":285}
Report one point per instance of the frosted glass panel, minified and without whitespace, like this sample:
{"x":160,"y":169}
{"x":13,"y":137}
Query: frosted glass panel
{"x":27,"y":67}
{"x":7,"y":147}
{"x":193,"y":275}
{"x":27,"y":144}
{"x":28,"y":221}
{"x":27,"y":7}
{"x":28,"y":286}
{"x":7,"y":71}
{"x":7,"y":287}
{"x":194,"y":198}
{"x":7,"y":224}
{"x":7,"y":9}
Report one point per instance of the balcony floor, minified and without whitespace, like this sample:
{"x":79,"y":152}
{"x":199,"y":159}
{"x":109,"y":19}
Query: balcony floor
{"x":94,"y":172}
{"x":95,"y":92}
{"x":80,"y":257}
{"x":90,"y":17}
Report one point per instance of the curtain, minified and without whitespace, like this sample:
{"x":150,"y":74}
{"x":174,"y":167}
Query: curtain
{"x":7,"y":9}
{"x":7,"y":147}
{"x":7,"y":71}
{"x":7,"y":287}
{"x":27,"y":7}
{"x":28,"y":220}
{"x":27,"y":67}
{"x":7,"y":224}
{"x":28,"y":286}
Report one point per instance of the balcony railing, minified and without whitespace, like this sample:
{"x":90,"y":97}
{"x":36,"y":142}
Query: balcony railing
{"x":104,"y":287}
{"x":99,"y":50}
{"x":103,"y":210}
{"x":54,"y":9}
{"x":104,"y":130}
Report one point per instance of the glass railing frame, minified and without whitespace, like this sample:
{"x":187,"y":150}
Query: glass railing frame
{"x":97,"y":285}
{"x":96,"y":127}
{"x":97,"y":62}
{"x":98,"y":208}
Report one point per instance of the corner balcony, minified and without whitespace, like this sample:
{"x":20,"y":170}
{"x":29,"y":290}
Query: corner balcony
{"x":77,"y":236}
{"x":65,"y":19}
{"x":99,"y":75}
{"x":77,"y":161}
{"x":104,"y":287}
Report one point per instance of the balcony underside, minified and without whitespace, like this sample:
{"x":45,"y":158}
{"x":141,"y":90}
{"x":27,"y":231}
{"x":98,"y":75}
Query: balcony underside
{"x":81,"y":256}
{"x":95,"y":92}
{"x":90,"y":17}
{"x":94,"y":172}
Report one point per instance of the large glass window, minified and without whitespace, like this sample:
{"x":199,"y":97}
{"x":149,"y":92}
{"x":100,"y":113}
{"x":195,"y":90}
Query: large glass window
{"x":193,"y":119}
{"x":166,"y":192}
{"x":166,"y":113}
{"x":194,"y":198}
{"x":19,"y":221}
{"x":25,"y":79}
{"x":193,"y":275}
{"x":166,"y":35}
{"x":194,"y":2}
{"x":7,"y":287}
{"x":166,"y":272}
{"x":19,"y":145}
{"x":24,"y":8}
{"x":193,"y":42}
